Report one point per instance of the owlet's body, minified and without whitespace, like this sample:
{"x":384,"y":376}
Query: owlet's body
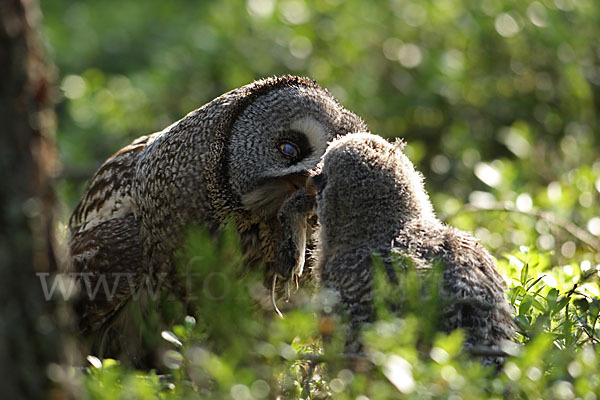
{"x":239,"y":157}
{"x":371,"y":201}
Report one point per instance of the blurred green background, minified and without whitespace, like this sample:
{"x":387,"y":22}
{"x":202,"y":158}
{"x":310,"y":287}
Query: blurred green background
{"x":498,"y":100}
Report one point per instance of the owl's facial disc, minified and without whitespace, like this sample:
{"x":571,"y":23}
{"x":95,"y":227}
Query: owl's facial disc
{"x":294,"y":151}
{"x":268,"y":197}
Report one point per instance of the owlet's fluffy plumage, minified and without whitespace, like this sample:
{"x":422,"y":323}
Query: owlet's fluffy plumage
{"x":371,"y":201}
{"x":239,"y":157}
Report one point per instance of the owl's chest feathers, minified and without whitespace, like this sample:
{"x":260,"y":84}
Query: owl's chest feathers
{"x":259,"y":239}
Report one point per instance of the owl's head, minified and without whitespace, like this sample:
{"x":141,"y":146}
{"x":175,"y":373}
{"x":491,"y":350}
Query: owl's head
{"x":367,"y":191}
{"x":278,"y":137}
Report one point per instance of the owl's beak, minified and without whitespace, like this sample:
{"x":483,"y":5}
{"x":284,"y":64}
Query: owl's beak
{"x":296,"y":181}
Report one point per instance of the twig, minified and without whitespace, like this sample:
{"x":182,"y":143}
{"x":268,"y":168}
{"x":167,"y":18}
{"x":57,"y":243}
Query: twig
{"x":590,"y":334}
{"x":316,"y":358}
{"x":580,"y":234}
{"x":583,"y":279}
{"x":485,"y":351}
{"x":306,"y":389}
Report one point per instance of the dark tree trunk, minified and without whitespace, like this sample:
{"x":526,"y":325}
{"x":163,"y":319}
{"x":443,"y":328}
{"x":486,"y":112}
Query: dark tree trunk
{"x":29,"y":334}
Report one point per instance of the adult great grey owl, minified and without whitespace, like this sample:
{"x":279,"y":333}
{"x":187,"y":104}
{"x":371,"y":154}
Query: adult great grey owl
{"x":240,"y":157}
{"x":371,"y":201}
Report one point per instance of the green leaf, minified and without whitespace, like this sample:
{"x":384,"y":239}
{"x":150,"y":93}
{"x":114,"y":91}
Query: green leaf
{"x":524,"y":273}
{"x":525,"y":305}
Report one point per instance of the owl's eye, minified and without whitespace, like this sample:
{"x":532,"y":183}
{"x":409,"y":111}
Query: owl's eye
{"x":288,"y":149}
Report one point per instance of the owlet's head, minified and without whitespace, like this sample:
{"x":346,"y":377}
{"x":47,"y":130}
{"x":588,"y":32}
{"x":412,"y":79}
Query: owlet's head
{"x":367,"y":191}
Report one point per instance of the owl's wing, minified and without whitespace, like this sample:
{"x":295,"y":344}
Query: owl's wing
{"x":108,"y":194}
{"x":108,"y":260}
{"x":475,"y":291}
{"x":104,"y":239}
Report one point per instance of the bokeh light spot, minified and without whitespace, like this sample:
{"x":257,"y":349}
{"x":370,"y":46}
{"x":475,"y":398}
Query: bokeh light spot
{"x":260,"y":8}
{"x":295,"y":12}
{"x":536,"y":13}
{"x":410,"y":55}
{"x":488,"y":174}
{"x":568,"y":249}
{"x":593,"y":226}
{"x":440,"y":164}
{"x":506,"y":25}
{"x":73,"y":86}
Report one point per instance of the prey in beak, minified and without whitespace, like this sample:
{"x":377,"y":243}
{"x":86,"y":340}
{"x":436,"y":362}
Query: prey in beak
{"x":293,"y":217}
{"x":296,"y":182}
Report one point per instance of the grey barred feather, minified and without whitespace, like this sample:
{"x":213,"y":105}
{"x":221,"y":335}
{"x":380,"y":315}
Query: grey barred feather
{"x":222,"y":161}
{"x":371,"y":201}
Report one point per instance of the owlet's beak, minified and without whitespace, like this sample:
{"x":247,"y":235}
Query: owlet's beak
{"x":315,"y":183}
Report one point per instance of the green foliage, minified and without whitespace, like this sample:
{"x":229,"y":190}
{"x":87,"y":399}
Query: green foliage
{"x":498,"y":101}
{"x":234,"y":348}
